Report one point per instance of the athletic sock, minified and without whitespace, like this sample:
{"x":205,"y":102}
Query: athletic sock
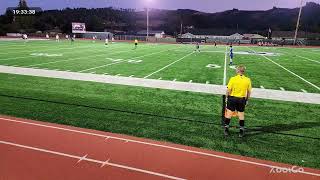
{"x":227,"y":122}
{"x":241,"y":123}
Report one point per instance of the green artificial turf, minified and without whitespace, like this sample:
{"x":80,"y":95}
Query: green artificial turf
{"x":166,"y":61}
{"x":278,"y":131}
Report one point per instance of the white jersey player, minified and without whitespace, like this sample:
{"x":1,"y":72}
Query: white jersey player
{"x":47,"y":36}
{"x":57,"y":38}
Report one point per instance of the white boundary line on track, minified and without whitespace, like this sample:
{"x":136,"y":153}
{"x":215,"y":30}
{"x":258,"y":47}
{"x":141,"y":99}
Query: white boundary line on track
{"x":289,"y":71}
{"x":84,"y":158}
{"x":225,"y":68}
{"x":153,"y":144}
{"x":169,"y":64}
{"x":308,"y":59}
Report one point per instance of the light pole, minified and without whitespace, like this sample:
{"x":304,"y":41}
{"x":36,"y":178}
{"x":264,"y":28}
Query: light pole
{"x":148,"y":23}
{"x":148,"y":6}
{"x":298,"y":24}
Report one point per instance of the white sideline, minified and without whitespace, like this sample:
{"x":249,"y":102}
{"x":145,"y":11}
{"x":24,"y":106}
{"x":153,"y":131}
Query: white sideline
{"x":225,"y":67}
{"x":291,"y":96}
{"x":169,"y":64}
{"x":84,"y":158}
{"x":152,"y":144}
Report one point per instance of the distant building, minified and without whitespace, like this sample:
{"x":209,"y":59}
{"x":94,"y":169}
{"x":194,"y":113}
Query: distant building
{"x":236,"y":36}
{"x":156,"y":34}
{"x":253,"y":37}
{"x":188,"y":35}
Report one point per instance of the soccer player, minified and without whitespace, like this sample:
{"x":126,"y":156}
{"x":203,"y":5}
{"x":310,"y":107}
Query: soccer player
{"x":47,"y":36}
{"x":136,"y":43}
{"x":238,"y":94}
{"x":57,"y":38}
{"x":231,"y":56}
{"x":197,"y":47}
{"x":94,"y":38}
{"x":72,"y":38}
{"x":106,"y":42}
{"x":215,"y":44}
{"x":67,"y":37}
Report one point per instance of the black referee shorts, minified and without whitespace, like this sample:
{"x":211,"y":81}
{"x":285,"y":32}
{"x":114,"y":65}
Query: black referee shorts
{"x":236,"y":104}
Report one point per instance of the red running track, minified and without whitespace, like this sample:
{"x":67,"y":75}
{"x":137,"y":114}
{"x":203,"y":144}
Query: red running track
{"x":32,"y":150}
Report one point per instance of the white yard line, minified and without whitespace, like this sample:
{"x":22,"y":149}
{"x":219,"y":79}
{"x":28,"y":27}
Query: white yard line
{"x":106,"y":65}
{"x":84,"y":158}
{"x":304,"y":91}
{"x":53,"y":49}
{"x":73,"y":59}
{"x":315,"y":86}
{"x":190,"y":81}
{"x":151,"y":144}
{"x":207,"y":82}
{"x":225,"y":67}
{"x":262,"y":87}
{"x":282,"y":89}
{"x":318,"y":88}
{"x":309,"y":59}
{"x":98,"y":67}
{"x":169,"y":65}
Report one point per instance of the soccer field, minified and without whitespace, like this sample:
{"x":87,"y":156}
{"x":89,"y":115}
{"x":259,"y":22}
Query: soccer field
{"x":279,"y":131}
{"x":288,"y":69}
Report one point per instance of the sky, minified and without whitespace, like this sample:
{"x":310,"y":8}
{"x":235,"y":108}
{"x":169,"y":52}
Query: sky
{"x":202,"y":5}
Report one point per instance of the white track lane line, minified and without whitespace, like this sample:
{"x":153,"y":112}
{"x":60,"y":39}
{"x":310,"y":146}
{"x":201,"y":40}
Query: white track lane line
{"x":155,"y":145}
{"x":169,"y":64}
{"x":84,"y":158}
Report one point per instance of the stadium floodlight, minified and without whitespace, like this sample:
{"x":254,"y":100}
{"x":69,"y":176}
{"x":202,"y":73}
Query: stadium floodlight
{"x":298,"y":24}
{"x":148,"y":4}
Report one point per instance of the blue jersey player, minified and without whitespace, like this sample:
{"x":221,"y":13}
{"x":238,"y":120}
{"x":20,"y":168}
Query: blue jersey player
{"x":231,"y":55}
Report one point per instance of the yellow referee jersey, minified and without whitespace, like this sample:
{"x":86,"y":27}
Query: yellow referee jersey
{"x":239,"y":85}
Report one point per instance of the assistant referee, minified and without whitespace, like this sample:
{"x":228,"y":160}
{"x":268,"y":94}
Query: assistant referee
{"x":238,"y":93}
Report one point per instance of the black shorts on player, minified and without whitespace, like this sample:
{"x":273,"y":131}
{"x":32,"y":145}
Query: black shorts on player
{"x":236,"y":104}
